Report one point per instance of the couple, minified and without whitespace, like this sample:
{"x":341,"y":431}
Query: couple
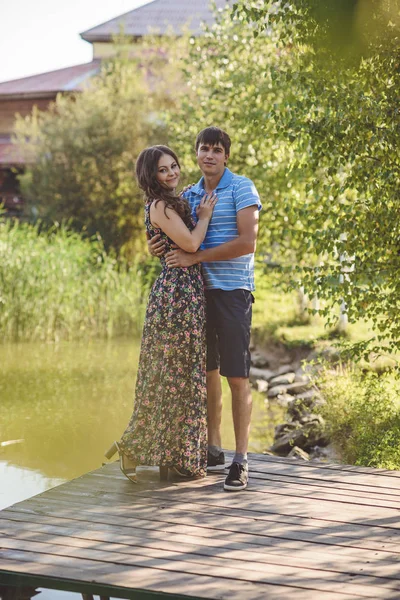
{"x":193,"y":335}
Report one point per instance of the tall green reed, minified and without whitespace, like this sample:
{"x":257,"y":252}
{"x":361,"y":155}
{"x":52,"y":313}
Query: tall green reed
{"x":55,"y":285}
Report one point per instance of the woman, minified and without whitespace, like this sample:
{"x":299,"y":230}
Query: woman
{"x":168,"y":424}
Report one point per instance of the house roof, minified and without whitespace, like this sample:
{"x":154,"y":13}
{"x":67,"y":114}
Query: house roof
{"x":49,"y":84}
{"x":158,"y":14}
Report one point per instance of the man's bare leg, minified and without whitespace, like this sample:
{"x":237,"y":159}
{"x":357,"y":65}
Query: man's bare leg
{"x":214,"y":407}
{"x":241,"y":411}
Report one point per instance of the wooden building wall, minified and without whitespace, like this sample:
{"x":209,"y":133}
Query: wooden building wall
{"x":23,"y":106}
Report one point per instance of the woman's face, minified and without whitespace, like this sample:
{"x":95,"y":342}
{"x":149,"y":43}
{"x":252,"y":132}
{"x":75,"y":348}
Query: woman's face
{"x":168,"y":171}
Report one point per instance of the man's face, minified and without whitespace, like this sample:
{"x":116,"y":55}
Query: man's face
{"x":212,"y":159}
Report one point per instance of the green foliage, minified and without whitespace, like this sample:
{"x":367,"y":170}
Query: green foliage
{"x":83,"y":150}
{"x":276,"y":314}
{"x":345,"y":28}
{"x":338,"y":112}
{"x":363,"y":417}
{"x":55,"y":285}
{"x":343,"y":129}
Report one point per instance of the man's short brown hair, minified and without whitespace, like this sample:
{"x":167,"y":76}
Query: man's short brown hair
{"x":213,"y":136}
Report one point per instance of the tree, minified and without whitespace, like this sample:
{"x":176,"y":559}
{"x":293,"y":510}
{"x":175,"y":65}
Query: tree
{"x":82,"y":152}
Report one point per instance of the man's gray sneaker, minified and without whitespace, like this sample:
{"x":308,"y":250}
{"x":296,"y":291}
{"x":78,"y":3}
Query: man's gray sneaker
{"x":237,"y":478}
{"x":215,"y":463}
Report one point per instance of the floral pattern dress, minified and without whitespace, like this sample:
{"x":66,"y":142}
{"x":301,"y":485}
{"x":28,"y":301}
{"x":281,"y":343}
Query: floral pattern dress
{"x":168,"y":426}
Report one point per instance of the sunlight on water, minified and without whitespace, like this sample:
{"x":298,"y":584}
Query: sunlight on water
{"x":18,"y":484}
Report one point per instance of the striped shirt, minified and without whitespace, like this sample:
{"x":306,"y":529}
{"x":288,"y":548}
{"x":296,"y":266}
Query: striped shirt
{"x":234,"y":193}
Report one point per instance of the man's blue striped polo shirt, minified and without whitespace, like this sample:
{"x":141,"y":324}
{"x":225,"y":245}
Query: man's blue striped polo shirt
{"x":234,"y":193}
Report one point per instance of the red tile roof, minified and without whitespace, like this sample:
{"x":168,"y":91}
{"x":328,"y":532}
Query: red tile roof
{"x":49,"y":84}
{"x":158,"y":14}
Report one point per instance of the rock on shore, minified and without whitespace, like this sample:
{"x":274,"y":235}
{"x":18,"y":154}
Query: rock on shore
{"x":303,"y":434}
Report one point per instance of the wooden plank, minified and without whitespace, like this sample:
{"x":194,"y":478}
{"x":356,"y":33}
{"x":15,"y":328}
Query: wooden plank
{"x":139,"y":578}
{"x":378,"y":477}
{"x":112,"y":500}
{"x":392,"y":520}
{"x":210,"y":492}
{"x":342,"y":489}
{"x":303,"y":469}
{"x":230,"y":522}
{"x":217,"y":537}
{"x":250,"y":529}
{"x":21,"y":580}
{"x":267,"y":458}
{"x":192,"y":586}
{"x":285,"y":504}
{"x":320,"y":493}
{"x":294,"y":534}
{"x":102,"y":532}
{"x":299,"y":470}
{"x":190,"y":514}
{"x":296,"y":473}
{"x":273,"y":484}
{"x":137,"y":542}
{"x":156,"y":560}
{"x":323,"y":471}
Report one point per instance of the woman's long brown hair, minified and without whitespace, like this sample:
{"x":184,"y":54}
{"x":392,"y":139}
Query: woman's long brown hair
{"x":146,"y":173}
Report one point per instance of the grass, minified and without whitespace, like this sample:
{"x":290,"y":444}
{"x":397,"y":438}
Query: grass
{"x":279,"y":319}
{"x":56,"y":285}
{"x":277,"y":316}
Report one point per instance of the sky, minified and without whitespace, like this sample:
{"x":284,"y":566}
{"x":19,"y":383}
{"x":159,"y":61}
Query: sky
{"x":43,"y":35}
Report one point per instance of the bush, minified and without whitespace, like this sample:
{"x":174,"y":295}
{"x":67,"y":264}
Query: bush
{"x":81,"y":155}
{"x":363,"y":417}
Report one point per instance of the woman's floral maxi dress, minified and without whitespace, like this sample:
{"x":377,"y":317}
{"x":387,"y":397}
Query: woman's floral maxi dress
{"x":168,"y":426}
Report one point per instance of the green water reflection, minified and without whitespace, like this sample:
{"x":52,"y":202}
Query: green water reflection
{"x":68,"y":402}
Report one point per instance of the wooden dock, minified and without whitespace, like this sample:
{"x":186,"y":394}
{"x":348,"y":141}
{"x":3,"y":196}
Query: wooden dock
{"x":301,"y":531}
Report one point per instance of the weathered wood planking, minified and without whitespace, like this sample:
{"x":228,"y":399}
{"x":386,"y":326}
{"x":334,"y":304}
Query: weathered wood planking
{"x":301,"y":531}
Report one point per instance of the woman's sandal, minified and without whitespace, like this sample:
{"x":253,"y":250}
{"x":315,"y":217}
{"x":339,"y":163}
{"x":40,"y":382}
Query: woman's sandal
{"x":129,"y":472}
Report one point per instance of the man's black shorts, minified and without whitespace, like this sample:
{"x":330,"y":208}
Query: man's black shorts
{"x":228,"y":331}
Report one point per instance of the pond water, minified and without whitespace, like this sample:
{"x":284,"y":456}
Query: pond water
{"x":62,"y":405}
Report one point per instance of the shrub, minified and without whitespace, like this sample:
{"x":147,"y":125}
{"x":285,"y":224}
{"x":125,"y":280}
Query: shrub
{"x":363,"y":416}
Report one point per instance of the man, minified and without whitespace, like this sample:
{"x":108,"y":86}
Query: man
{"x":227,"y":256}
